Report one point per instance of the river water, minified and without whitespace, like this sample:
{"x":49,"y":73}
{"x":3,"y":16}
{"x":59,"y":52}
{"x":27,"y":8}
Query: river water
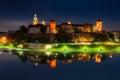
{"x":75,"y":66}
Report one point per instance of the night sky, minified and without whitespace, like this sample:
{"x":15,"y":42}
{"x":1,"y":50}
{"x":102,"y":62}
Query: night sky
{"x":14,"y":13}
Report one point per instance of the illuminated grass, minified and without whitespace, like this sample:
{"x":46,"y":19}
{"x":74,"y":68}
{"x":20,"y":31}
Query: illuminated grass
{"x":85,"y":48}
{"x":67,"y":49}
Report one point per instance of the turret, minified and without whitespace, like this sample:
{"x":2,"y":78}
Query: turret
{"x":99,"y":26}
{"x":52,"y":26}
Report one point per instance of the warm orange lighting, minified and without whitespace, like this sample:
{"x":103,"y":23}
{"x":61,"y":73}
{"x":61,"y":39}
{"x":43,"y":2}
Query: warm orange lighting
{"x":97,"y":58}
{"x":3,"y":39}
{"x":35,"y":20}
{"x":69,"y":22}
{"x":84,"y":55}
{"x":53,"y":63}
{"x":99,"y":25}
{"x":53,"y":26}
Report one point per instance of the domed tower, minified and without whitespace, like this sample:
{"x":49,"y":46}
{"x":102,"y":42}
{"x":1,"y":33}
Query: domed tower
{"x":35,"y":20}
{"x":99,"y":26}
{"x":52,"y":26}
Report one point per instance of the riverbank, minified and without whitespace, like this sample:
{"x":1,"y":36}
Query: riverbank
{"x":64,"y":47}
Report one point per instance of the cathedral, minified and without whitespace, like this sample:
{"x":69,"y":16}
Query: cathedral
{"x":36,"y":27}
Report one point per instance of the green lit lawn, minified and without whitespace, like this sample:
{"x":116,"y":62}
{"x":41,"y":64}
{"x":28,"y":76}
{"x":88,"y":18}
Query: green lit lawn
{"x":68,"y":48}
{"x":85,"y":48}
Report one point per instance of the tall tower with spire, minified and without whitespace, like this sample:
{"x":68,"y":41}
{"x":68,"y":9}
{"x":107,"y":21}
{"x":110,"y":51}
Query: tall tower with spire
{"x":36,"y":28}
{"x":35,"y":20}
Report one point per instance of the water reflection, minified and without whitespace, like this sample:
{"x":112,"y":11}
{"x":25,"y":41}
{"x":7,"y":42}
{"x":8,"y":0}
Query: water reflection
{"x":54,"y":65}
{"x":51,"y":58}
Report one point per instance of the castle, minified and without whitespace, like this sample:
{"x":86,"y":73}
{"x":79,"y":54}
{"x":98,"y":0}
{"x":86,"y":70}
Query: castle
{"x":67,"y":27}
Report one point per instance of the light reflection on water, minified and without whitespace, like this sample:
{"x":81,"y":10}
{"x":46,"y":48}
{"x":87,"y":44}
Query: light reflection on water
{"x":28,"y":65}
{"x":51,"y":58}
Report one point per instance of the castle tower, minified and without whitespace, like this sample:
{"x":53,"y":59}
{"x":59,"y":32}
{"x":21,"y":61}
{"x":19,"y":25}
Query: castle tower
{"x":99,"y":25}
{"x":35,"y":20}
{"x":52,"y":26}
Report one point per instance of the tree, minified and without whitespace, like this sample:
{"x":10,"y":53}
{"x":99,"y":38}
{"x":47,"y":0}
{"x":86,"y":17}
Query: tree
{"x":110,"y":36}
{"x":23,"y":29}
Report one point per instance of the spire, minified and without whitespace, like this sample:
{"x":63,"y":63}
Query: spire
{"x":35,"y":20}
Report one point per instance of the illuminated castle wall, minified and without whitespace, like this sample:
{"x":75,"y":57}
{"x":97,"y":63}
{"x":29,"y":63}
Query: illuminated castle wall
{"x":76,"y":28}
{"x":98,"y":26}
{"x":66,"y":27}
{"x":52,"y":26}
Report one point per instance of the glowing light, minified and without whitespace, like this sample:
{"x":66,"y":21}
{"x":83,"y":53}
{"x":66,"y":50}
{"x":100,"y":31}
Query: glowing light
{"x":56,"y":44}
{"x":72,"y":56}
{"x":48,"y":46}
{"x":3,"y":39}
{"x":43,"y":23}
{"x":65,"y":55}
{"x":69,"y":22}
{"x":35,"y":21}
{"x":99,"y":25}
{"x":97,"y":58}
{"x":48,"y":53}
{"x":36,"y":56}
{"x":101,"y":55}
{"x":56,"y":54}
{"x":53,"y":63}
{"x":36,"y":64}
{"x":20,"y":46}
{"x":20,"y":52}
{"x":76,"y":41}
{"x":53,"y":26}
{"x":65,"y":48}
{"x":84,"y":48}
{"x":111,"y":56}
